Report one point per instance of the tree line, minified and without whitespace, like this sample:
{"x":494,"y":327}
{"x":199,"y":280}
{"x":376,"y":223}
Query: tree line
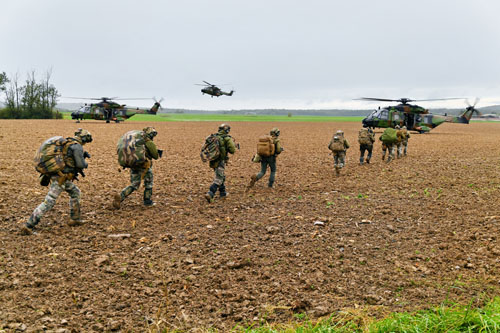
{"x":32,"y":99}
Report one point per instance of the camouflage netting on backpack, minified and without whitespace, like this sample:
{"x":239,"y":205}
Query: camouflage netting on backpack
{"x":131,"y":149}
{"x":211,"y":149}
{"x":265,"y":146}
{"x":389,"y":136}
{"x":49,"y":159}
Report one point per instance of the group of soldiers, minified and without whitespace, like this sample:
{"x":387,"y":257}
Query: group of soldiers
{"x":366,"y":138}
{"x":75,"y":163}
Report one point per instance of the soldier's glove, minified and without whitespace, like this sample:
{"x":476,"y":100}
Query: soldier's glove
{"x":160,"y":152}
{"x":45,"y":180}
{"x":86,"y":154}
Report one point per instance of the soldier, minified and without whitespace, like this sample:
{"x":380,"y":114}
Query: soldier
{"x":405,"y":139}
{"x":366,"y":138}
{"x":226,"y":146}
{"x":269,"y":160}
{"x":399,"y":143}
{"x":142,"y":171}
{"x":387,"y":145}
{"x":338,"y":145}
{"x":74,"y":160}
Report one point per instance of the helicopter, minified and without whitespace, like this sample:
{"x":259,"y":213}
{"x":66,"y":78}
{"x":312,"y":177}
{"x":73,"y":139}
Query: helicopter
{"x":213,"y":90}
{"x":414,"y":117}
{"x":108,"y":110}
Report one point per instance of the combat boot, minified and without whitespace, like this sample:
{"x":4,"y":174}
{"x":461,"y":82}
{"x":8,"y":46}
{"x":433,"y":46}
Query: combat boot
{"x":117,"y":200}
{"x":361,"y":161}
{"x":26,"y":230}
{"x":383,"y":157}
{"x":211,"y":193}
{"x":210,"y":197}
{"x":147,"y":197}
{"x":222,"y":191}
{"x":367,"y":161}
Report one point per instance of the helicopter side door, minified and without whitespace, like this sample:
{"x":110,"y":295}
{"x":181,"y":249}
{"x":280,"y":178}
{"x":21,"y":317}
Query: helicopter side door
{"x":397,"y":118}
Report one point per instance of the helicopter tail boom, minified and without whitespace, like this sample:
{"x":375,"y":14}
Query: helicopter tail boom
{"x":465,"y":117}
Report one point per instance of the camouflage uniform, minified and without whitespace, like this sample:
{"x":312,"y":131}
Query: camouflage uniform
{"x":399,"y":143}
{"x":269,"y":161}
{"x":367,"y":147}
{"x":145,"y":171}
{"x":74,"y":162}
{"x":405,"y":139}
{"x":339,"y":156}
{"x":387,"y":146}
{"x":218,"y":165}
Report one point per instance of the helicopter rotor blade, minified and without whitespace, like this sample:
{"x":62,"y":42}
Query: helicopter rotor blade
{"x":435,"y":99}
{"x":376,"y":99}
{"x":132,"y":98}
{"x":476,"y":101}
{"x":209,"y":83}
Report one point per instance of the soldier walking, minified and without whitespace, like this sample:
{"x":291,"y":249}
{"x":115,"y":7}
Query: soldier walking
{"x":141,"y":167}
{"x":400,"y":139}
{"x":72,"y":163}
{"x":406,"y":136}
{"x":388,"y":139}
{"x":366,"y":138}
{"x":268,"y":149}
{"x":338,"y":145}
{"x":226,"y":146}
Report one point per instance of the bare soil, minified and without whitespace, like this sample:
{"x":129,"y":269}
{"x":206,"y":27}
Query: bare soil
{"x":401,"y":236}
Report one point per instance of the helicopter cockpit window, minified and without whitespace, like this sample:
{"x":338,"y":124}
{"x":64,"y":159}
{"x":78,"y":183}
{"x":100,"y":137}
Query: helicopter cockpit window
{"x":374,"y":114}
{"x":384,"y":115}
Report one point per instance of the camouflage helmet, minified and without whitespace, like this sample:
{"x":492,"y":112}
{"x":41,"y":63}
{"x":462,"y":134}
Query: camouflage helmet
{"x":275,"y":131}
{"x":397,"y":127}
{"x":224,"y":127}
{"x":150,"y":132}
{"x":340,"y":132}
{"x":404,"y":127}
{"x":83,"y":135}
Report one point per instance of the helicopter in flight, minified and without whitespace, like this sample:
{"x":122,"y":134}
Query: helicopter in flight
{"x":109,"y":110}
{"x":213,"y":90}
{"x":414,"y":117}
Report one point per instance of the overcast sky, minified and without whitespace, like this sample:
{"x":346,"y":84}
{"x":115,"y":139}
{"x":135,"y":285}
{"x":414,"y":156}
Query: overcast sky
{"x":274,"y":53}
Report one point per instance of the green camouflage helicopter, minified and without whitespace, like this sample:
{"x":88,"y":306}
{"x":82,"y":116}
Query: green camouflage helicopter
{"x":213,"y":90}
{"x":109,"y":110}
{"x":414,"y":117}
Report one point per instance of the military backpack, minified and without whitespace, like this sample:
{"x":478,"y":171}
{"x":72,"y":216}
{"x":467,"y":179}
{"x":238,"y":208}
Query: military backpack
{"x":336,"y":145}
{"x":131,"y":149}
{"x":50,"y":158}
{"x":389,"y":136}
{"x":211,"y":149}
{"x":364,"y":137}
{"x":265,"y":146}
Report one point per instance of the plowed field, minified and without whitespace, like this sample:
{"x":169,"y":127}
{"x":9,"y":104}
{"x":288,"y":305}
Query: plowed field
{"x":400,"y":236}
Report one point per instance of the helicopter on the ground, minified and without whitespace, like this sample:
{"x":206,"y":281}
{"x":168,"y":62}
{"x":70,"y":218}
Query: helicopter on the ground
{"x":414,"y":117}
{"x":109,"y":110}
{"x":213,"y":90}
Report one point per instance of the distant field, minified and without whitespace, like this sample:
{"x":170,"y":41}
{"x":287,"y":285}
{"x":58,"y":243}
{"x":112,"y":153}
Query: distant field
{"x":228,"y":117}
